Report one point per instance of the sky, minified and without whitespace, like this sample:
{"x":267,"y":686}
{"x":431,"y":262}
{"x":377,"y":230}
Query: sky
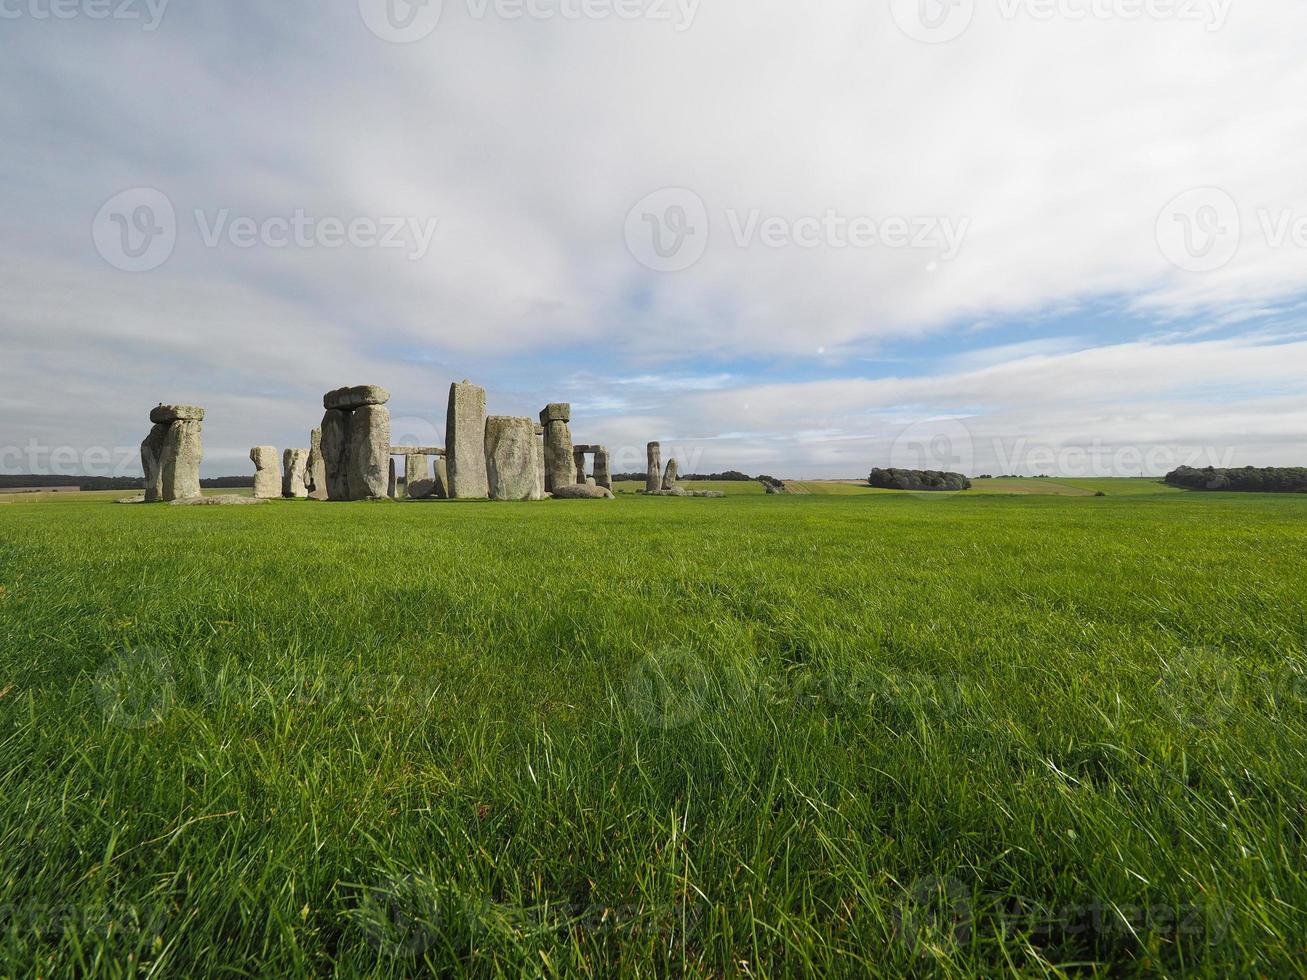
{"x":1011,"y":236}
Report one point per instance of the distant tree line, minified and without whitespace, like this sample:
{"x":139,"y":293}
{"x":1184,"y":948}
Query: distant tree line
{"x":730,"y":476}
{"x":113,"y":482}
{"x":1249,"y":479}
{"x":929,"y":480}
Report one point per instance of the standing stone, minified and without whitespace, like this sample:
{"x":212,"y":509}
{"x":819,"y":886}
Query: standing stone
{"x":560,"y":464}
{"x":671,"y":475}
{"x":578,"y":457}
{"x":267,"y":481}
{"x":418,"y":484}
{"x":511,"y":458}
{"x":294,"y":464}
{"x":603,"y":475}
{"x":369,"y":453}
{"x":465,"y":443}
{"x":152,"y":461}
{"x":653,"y":480}
{"x":315,"y":471}
{"x":441,"y":479}
{"x":542,"y":478}
{"x":335,"y":453}
{"x":392,"y":484}
{"x":183,"y":452}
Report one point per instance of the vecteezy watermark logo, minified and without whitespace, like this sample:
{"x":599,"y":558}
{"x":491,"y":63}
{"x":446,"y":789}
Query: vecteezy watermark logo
{"x":933,"y":21}
{"x":401,"y":21}
{"x":934,"y":915}
{"x":136,"y":688}
{"x":668,"y":689}
{"x":401,"y":917}
{"x":136,"y":230}
{"x":667,"y":231}
{"x":1199,"y":230}
{"x":1200,"y":686}
{"x":149,"y":11}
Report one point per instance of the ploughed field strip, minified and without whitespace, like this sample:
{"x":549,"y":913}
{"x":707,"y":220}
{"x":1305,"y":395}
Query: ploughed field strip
{"x":877,"y":733}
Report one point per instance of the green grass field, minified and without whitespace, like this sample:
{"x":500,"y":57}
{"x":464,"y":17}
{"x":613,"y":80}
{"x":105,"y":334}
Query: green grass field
{"x":827,"y":734}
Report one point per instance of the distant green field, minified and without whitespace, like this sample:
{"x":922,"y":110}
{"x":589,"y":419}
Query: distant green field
{"x":837,"y":734}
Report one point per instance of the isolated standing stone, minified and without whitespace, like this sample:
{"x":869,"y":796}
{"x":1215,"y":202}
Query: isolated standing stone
{"x":511,"y":458}
{"x":152,"y":462}
{"x":653,"y":480}
{"x":183,"y":452}
{"x":603,"y":475}
{"x":465,"y":442}
{"x":315,"y":471}
{"x":335,"y":454}
{"x":294,"y":464}
{"x":369,"y":452}
{"x":670,"y":475}
{"x":267,"y":481}
{"x":541,"y":475}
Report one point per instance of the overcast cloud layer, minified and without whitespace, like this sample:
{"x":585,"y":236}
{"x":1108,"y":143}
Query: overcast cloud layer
{"x":802,"y":239}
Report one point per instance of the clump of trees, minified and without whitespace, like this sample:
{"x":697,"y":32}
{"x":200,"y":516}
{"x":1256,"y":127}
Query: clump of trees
{"x":928,"y":480}
{"x":1248,"y":479}
{"x":730,"y":476}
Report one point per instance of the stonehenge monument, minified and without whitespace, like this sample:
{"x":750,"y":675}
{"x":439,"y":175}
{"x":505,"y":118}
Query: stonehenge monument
{"x":602,"y":476}
{"x":560,"y":464}
{"x":172,"y":452}
{"x":512,"y":460}
{"x":294,"y":463}
{"x":267,"y":478}
{"x":653,"y":481}
{"x":420,"y":482}
{"x":465,"y":447}
{"x":356,"y":442}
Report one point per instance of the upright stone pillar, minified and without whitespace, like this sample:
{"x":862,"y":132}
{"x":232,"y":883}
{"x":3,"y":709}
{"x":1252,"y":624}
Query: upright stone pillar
{"x":542,"y":477}
{"x":418,"y":484}
{"x":603,"y":475}
{"x":315,"y":471}
{"x":267,"y":481}
{"x":183,"y":451}
{"x":511,"y":458}
{"x":441,"y":479}
{"x":653,"y":480}
{"x":392,"y":482}
{"x":671,"y":475}
{"x":294,"y":464}
{"x":465,"y":442}
{"x":560,"y":466}
{"x":369,"y":453}
{"x":152,"y":462}
{"x":335,"y":454}
{"x":578,"y":457}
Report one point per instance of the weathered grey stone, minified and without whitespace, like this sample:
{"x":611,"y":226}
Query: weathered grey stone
{"x":416,"y":451}
{"x":559,"y":463}
{"x":542,"y":478}
{"x":335,"y":453}
{"x":183,"y":452}
{"x":359,"y":396}
{"x":294,"y":464}
{"x":465,"y":442}
{"x":603,"y":475}
{"x":591,"y":482}
{"x":369,"y":453}
{"x":670,"y":475}
{"x":681,"y":492}
{"x":167,"y":414}
{"x":441,"y":479}
{"x":578,"y":457}
{"x":418,"y":484}
{"x":218,"y":500}
{"x":152,"y":462}
{"x":392,"y":483}
{"x":267,"y":479}
{"x":511,"y":458}
{"x":556,"y":412}
{"x":315,"y":471}
{"x":582,"y":492}
{"x":653,"y":480}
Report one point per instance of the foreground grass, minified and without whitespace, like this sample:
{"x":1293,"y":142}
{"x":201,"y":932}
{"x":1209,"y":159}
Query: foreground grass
{"x":878,"y":734}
